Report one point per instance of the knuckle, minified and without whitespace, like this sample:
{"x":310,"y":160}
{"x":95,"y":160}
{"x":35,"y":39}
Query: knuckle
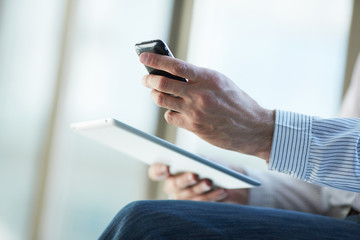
{"x":197,"y":189}
{"x":169,"y":117}
{"x":159,"y":99}
{"x":185,"y":179}
{"x":153,"y":61}
{"x":172,"y":119}
{"x":180,"y":67}
{"x":204,"y":100}
{"x":162,"y":83}
{"x":216,"y":79}
{"x":181,"y":181}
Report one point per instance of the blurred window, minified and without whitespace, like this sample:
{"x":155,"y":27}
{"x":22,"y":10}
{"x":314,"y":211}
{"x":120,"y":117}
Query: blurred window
{"x":29,"y":41}
{"x":87,"y":183}
{"x":288,"y":55}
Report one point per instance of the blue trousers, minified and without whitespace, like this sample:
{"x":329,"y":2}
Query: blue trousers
{"x":170,"y":219}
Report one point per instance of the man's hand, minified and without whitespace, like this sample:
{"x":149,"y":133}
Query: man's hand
{"x":211,"y":106}
{"x":188,"y":186}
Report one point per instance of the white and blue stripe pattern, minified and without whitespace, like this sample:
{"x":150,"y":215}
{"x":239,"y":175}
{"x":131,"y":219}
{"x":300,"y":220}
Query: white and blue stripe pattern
{"x":321,"y":151}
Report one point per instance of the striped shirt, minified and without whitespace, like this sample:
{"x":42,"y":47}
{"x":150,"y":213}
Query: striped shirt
{"x":321,"y":151}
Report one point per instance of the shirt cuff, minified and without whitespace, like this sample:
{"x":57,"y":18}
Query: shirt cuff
{"x":291,"y":143}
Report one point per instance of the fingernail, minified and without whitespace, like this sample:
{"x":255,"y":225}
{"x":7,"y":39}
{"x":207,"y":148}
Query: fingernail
{"x":162,"y":173}
{"x":205,"y":187}
{"x":163,"y":170}
{"x":143,"y":57}
{"x":191,"y":179}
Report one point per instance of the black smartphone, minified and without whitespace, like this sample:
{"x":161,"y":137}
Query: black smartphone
{"x":156,"y":46}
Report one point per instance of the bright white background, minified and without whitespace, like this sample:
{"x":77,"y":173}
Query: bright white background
{"x":29,"y":41}
{"x":286,"y":54}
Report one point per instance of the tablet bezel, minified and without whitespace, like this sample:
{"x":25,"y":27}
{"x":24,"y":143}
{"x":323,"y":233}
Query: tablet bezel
{"x":86,"y":127}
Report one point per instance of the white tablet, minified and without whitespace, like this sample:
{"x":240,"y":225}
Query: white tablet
{"x":150,"y":149}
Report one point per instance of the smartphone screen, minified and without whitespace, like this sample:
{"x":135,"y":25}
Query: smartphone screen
{"x":158,"y":47}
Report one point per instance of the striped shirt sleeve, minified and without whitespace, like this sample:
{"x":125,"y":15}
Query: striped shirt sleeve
{"x":321,"y":151}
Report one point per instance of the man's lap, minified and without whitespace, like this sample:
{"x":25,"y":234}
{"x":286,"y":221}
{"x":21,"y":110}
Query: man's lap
{"x":172,"y":219}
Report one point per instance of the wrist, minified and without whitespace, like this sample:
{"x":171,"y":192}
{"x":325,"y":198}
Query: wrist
{"x":265,"y":133}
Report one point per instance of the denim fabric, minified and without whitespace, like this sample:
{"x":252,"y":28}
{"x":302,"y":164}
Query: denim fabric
{"x":173,"y":220}
{"x":354,"y":218}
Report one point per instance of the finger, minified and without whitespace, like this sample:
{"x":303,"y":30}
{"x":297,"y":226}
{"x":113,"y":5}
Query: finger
{"x":199,"y":188}
{"x":167,"y":101}
{"x":158,"y":171}
{"x":174,"y":66}
{"x":164,"y":84}
{"x":212,"y":196}
{"x":178,"y":182}
{"x":175,"y":118}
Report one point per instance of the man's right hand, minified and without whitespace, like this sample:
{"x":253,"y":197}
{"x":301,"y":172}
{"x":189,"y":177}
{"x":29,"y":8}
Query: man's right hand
{"x":188,"y":186}
{"x":211,"y":106}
